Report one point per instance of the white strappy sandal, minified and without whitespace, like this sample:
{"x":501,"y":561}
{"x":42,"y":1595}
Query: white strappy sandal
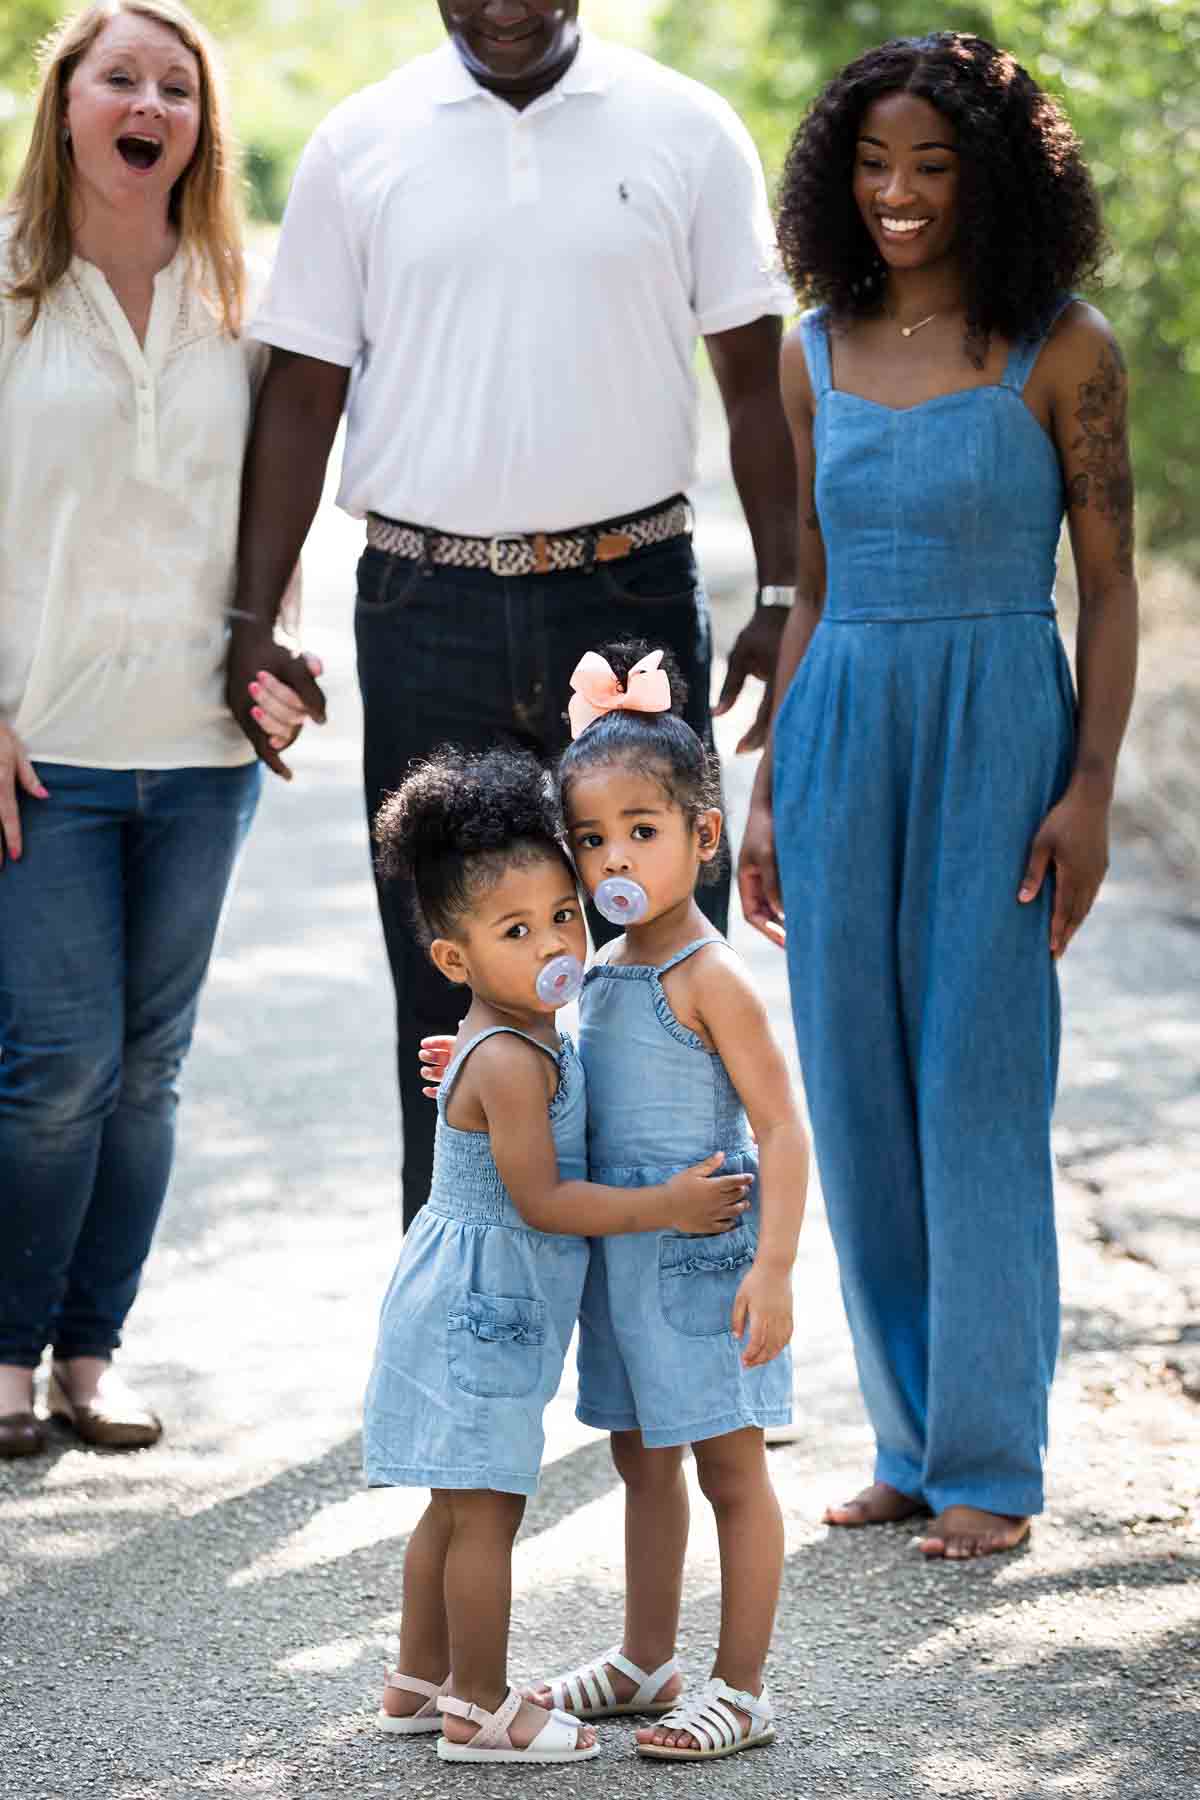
{"x":709,"y":1718}
{"x":588,"y":1693}
{"x":427,"y":1718}
{"x":556,"y":1742}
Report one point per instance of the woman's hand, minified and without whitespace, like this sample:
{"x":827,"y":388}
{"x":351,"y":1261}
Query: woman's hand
{"x":1074,"y":837}
{"x":435,"y":1054}
{"x":17,"y":773}
{"x":271,"y":694}
{"x":762,"y":1314}
{"x":278,"y":710}
{"x":758,"y":875}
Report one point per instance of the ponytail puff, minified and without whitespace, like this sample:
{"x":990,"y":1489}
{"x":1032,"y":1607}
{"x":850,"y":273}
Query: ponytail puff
{"x":457,"y":822}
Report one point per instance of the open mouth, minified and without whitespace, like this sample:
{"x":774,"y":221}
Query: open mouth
{"x":139,"y":152}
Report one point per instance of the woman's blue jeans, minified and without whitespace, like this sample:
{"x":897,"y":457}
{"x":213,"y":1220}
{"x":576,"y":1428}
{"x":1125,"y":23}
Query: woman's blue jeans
{"x":107,"y":924}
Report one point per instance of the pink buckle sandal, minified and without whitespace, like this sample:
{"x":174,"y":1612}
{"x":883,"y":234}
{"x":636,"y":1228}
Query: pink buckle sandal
{"x":426,"y":1719}
{"x":556,"y":1742}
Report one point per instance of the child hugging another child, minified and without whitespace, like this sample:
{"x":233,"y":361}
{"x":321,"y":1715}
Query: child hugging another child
{"x":480,"y":1311}
{"x":682,"y":1339}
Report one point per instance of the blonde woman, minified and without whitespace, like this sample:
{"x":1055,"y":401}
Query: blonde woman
{"x":126,"y":392}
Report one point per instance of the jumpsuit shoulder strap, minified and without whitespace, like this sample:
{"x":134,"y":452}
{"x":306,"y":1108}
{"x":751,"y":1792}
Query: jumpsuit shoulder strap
{"x":814,"y":335}
{"x":455,"y":1068}
{"x":1024,"y":354}
{"x":681,"y":956}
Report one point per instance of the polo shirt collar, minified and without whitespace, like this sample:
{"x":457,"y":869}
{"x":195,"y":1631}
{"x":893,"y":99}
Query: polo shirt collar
{"x":450,"y":83}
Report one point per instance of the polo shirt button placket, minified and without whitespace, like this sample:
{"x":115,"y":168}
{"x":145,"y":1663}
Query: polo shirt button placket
{"x":522,"y":164}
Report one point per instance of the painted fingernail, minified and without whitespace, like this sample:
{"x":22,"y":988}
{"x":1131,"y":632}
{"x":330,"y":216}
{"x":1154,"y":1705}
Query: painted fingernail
{"x":255,"y":689}
{"x":256,"y":712}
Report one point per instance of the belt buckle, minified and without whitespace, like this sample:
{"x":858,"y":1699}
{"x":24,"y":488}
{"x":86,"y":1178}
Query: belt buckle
{"x":496,"y":544}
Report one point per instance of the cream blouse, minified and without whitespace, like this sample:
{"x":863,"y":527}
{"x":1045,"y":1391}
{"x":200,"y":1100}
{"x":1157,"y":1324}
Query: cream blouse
{"x":120,"y":470}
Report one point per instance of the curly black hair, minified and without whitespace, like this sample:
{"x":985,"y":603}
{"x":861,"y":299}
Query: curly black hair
{"x":458,"y":822}
{"x":662,"y":746}
{"x":1031,"y":227}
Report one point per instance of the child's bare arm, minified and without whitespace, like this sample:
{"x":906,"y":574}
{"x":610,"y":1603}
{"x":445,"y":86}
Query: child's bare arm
{"x":511,"y":1089}
{"x":735,"y":1019}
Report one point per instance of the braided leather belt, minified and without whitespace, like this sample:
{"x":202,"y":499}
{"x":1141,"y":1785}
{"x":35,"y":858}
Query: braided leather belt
{"x":535,"y":552}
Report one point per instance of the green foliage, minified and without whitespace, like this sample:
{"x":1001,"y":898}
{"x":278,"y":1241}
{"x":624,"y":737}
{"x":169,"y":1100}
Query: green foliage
{"x":1128,"y":73}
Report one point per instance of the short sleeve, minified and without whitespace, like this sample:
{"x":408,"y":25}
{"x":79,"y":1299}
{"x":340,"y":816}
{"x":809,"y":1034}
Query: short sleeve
{"x":313,"y":303}
{"x":735,"y":261}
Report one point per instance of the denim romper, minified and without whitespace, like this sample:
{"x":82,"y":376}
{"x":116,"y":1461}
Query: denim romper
{"x":925,"y":734}
{"x":479,"y":1314}
{"x":656,"y":1352}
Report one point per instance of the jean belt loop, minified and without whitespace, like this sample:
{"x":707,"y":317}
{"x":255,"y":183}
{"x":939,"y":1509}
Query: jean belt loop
{"x":589,"y":553}
{"x":426,"y":558}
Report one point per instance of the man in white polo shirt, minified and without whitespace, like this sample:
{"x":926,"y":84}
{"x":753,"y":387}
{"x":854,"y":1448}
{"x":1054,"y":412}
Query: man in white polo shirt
{"x":504,"y":254}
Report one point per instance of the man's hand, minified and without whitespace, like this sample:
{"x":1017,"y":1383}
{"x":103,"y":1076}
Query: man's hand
{"x":16,"y":773}
{"x":756,"y":652}
{"x":762,"y":1314}
{"x":271,"y":693}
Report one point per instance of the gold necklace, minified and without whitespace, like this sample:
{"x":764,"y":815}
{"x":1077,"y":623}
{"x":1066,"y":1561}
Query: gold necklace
{"x":907,"y":330}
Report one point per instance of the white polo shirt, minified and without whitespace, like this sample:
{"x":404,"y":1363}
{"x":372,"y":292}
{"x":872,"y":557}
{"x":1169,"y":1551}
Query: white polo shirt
{"x":519,"y":293}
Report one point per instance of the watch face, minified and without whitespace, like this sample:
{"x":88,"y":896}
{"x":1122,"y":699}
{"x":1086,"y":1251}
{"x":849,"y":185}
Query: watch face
{"x":776,"y":596}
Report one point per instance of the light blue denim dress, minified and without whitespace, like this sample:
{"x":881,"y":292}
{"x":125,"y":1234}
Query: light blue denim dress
{"x":925,"y":735}
{"x":656,"y":1352}
{"x":479,"y":1315}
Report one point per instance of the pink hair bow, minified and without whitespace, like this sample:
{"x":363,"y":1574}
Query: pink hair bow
{"x":597,"y":690}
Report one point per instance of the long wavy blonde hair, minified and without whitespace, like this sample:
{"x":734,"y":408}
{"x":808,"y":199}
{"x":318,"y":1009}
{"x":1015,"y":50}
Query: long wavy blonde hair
{"x":204,"y":203}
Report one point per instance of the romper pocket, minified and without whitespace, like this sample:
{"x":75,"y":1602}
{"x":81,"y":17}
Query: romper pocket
{"x":698,"y":1280}
{"x":496,"y":1346}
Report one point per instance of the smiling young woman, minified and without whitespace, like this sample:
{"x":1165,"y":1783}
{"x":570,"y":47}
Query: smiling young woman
{"x":950,"y":399}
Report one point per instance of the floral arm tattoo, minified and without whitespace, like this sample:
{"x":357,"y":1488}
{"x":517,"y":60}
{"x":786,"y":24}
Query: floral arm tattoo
{"x":1101,"y":450}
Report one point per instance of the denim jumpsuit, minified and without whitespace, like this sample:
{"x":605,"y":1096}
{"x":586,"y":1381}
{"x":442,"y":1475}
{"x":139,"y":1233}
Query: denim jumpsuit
{"x":925,"y":735}
{"x":656,"y":1352}
{"x":479,"y":1315}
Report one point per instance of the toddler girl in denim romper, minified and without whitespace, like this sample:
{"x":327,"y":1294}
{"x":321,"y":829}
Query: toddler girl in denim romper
{"x":683,"y":1339}
{"x":477,"y":1320}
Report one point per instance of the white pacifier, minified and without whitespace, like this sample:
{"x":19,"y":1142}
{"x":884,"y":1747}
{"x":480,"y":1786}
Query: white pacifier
{"x":621,"y":902}
{"x":560,"y":981}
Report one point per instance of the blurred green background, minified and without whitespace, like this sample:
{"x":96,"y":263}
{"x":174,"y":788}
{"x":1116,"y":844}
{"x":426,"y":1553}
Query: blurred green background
{"x":1128,"y":72}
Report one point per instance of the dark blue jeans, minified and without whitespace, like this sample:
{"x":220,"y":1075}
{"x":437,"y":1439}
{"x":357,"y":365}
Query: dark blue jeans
{"x":466,"y":657}
{"x":106,"y":928}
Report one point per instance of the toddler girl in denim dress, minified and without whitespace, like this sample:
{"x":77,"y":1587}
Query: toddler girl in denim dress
{"x":477,"y":1320}
{"x":683,"y":1339}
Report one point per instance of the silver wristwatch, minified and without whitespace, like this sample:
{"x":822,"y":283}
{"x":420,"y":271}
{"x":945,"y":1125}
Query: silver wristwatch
{"x":776,"y":596}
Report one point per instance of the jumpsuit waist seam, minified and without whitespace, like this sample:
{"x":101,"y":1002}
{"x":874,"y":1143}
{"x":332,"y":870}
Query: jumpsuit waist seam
{"x":939,"y":618}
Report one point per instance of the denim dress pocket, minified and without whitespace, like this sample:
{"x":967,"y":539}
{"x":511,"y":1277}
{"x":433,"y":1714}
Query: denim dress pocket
{"x":698,"y":1280}
{"x":496,"y":1346}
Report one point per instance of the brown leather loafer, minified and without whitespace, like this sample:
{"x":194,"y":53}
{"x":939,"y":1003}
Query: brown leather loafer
{"x":114,"y":1418}
{"x":21,"y":1434}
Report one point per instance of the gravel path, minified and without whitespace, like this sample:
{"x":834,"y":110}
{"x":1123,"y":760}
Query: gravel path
{"x":205,"y":1619}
